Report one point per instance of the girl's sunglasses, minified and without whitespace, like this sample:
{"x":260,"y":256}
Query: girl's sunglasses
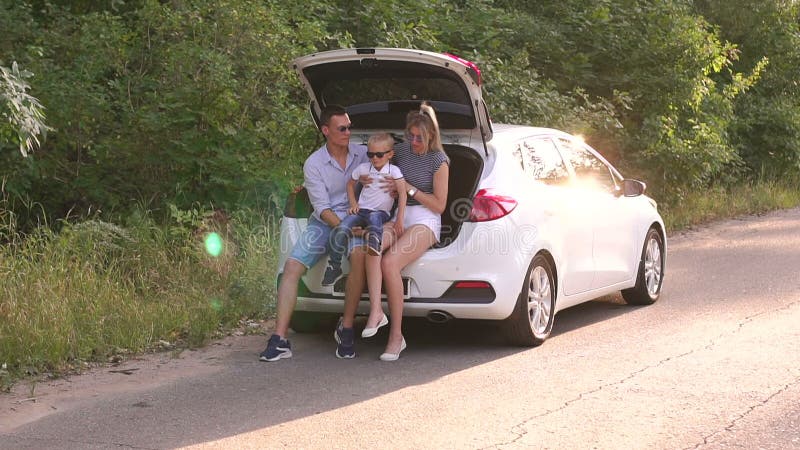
{"x":376,"y":154}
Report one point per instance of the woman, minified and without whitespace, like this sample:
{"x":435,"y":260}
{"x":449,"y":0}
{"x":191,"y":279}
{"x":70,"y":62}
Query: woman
{"x":425,"y":168}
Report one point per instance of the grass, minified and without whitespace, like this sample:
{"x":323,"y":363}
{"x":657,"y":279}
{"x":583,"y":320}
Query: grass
{"x":95,"y":290}
{"x":709,"y":204}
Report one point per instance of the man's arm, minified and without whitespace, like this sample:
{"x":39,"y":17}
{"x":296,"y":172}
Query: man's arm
{"x":351,"y":196}
{"x":330,"y":217}
{"x":314,"y":183}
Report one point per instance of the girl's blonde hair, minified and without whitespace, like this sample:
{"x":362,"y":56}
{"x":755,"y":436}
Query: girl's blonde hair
{"x":425,"y":120}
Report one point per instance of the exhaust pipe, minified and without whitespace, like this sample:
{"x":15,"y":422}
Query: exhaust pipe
{"x":437,"y":316}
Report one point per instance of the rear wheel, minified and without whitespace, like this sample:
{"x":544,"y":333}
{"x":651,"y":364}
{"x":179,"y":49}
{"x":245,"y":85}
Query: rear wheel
{"x":312,"y":322}
{"x":651,"y":272}
{"x":532,"y":320}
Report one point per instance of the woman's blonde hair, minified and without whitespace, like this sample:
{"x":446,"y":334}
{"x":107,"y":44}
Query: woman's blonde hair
{"x":425,"y":120}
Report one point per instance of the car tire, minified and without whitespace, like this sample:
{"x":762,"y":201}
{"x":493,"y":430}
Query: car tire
{"x":312,"y":322}
{"x":650,"y":275}
{"x":532,"y":320}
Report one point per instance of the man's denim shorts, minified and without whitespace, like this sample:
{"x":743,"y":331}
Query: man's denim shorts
{"x":313,"y":243}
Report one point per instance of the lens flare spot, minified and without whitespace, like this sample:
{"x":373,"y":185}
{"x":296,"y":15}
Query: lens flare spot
{"x":216,"y":304}
{"x":213,"y":244}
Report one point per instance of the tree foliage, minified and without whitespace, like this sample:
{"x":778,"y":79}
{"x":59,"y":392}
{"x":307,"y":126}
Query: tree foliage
{"x":766,"y":128}
{"x":186,"y":102}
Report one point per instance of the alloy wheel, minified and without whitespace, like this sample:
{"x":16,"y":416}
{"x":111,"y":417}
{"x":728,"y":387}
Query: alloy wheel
{"x":652,"y":266}
{"x":540,"y":300}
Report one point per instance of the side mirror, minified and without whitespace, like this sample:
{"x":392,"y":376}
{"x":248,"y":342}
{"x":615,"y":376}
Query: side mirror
{"x":631,"y":188}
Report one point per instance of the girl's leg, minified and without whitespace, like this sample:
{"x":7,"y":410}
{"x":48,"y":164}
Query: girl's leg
{"x":414,"y":241}
{"x":377,"y":220}
{"x":355,"y":280}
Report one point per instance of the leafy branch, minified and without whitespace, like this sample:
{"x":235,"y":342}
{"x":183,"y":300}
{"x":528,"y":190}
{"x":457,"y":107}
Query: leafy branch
{"x":23,"y":114}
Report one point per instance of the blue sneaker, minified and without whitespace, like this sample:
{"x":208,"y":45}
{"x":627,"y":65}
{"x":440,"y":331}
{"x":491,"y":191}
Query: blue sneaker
{"x":346,"y":340}
{"x":277,"y":348}
{"x":332,"y":275}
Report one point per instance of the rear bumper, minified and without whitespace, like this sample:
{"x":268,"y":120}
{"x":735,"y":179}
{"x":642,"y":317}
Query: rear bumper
{"x":472,"y":257}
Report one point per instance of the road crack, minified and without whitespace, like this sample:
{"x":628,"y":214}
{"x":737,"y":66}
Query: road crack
{"x":519,"y":429}
{"x":749,"y":319}
{"x":55,"y":441}
{"x":729,"y":427}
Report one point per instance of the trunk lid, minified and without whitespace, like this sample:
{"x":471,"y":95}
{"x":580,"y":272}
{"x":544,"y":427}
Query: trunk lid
{"x":378,"y":86}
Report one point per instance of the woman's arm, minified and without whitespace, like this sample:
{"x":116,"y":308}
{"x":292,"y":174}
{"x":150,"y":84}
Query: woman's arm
{"x":400,"y":184}
{"x":437,"y":201}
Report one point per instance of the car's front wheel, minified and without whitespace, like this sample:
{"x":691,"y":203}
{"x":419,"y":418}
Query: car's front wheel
{"x":650,"y":276}
{"x":532,"y":320}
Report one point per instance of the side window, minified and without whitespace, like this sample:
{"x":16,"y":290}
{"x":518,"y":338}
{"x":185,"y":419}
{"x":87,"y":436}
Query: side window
{"x":588,"y":167}
{"x":543,"y":161}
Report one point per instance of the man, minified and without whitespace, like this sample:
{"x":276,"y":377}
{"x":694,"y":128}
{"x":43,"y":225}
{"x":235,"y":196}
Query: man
{"x":325,"y":175}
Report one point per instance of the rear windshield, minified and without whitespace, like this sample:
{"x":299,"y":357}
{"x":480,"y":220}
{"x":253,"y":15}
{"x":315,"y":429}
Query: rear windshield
{"x":368,"y":90}
{"x":380,"y":95}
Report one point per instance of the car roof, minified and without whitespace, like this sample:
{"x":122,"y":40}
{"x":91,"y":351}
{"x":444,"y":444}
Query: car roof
{"x":504,"y":131}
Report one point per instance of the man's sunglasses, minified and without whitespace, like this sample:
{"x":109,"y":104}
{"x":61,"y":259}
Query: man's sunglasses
{"x":343,"y":128}
{"x":376,"y":154}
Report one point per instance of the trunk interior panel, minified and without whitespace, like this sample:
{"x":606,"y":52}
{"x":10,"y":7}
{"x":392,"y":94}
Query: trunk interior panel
{"x":466,"y":167}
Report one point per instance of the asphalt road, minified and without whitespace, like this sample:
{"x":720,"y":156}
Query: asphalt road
{"x":714,"y":364}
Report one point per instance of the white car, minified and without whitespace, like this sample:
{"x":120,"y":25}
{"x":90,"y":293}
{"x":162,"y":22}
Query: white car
{"x":537,"y":221}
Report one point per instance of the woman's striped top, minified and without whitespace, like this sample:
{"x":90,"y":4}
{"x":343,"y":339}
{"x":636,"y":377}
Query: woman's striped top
{"x":417,"y":169}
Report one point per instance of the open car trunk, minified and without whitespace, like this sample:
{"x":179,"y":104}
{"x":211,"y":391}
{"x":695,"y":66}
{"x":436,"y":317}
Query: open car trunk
{"x":378,"y":86}
{"x":466,"y":167}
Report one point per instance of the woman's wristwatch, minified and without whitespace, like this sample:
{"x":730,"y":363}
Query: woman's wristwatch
{"x":411,"y":192}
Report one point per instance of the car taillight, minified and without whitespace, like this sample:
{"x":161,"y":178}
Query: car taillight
{"x":472,"y":285}
{"x":488,"y":206}
{"x":470,"y":291}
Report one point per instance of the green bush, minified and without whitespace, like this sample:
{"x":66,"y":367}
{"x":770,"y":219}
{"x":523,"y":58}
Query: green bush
{"x":166,"y":114}
{"x":766,"y":128}
{"x":179,"y":102}
{"x":97,"y":289}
